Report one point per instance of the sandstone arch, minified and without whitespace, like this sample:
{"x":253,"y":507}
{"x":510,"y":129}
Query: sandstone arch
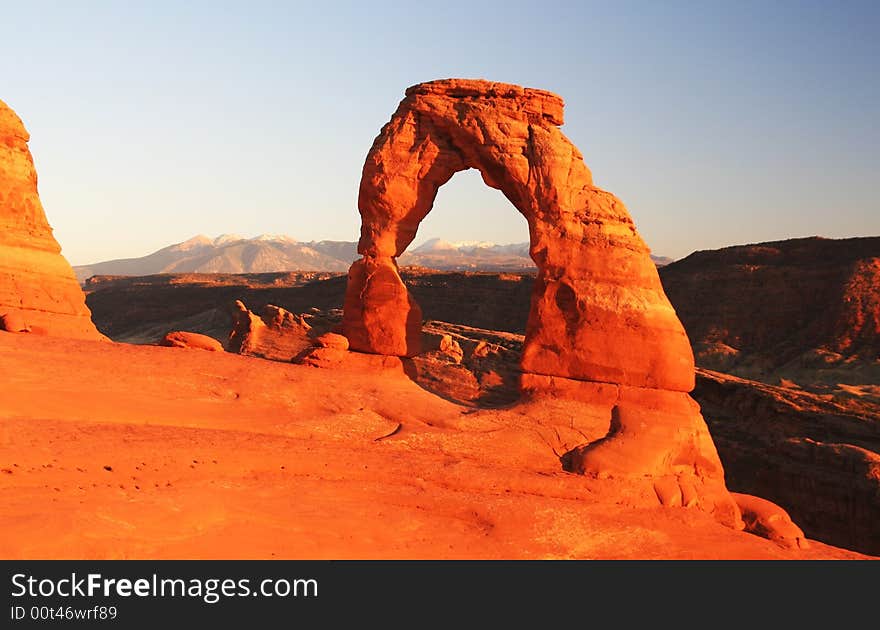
{"x":598,"y":310}
{"x":600,"y":330}
{"x":37,"y":285}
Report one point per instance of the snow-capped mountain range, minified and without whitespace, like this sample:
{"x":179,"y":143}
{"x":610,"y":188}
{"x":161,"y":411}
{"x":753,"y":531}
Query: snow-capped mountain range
{"x":231,"y":253}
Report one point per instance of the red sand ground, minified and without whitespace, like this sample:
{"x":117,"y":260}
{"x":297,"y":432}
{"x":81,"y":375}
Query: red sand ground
{"x":119,"y":451}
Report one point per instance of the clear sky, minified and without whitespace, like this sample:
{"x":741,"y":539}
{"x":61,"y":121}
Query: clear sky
{"x":715,"y":123}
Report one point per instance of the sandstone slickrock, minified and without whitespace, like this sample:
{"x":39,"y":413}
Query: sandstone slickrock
{"x":599,"y":319}
{"x":598,"y":310}
{"x":36,"y":283}
{"x":232,"y":454}
{"x":816,"y":455}
{"x":184,"y":339}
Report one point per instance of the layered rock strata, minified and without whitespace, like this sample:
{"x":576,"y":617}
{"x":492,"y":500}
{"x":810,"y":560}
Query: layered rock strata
{"x":37,"y":285}
{"x":274,"y":334}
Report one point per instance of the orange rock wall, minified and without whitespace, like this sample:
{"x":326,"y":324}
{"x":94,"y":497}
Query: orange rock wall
{"x":36,"y":283}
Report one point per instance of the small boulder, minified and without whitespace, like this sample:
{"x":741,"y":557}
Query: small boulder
{"x":484,"y":349}
{"x":322,"y":357}
{"x":766,"y":519}
{"x":451,"y":348}
{"x":183,"y":339}
{"x":331,"y":340}
{"x":442,"y":343}
{"x":13,"y":322}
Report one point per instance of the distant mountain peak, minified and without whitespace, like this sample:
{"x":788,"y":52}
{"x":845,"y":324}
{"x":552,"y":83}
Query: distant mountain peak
{"x":198,"y":240}
{"x":439,"y":244}
{"x":433,"y":245}
{"x":232,"y":253}
{"x":225,"y":239}
{"x":473,"y":244}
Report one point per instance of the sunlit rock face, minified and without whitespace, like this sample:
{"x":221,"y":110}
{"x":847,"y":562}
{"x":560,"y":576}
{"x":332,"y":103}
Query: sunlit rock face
{"x":598,"y":310}
{"x":37,"y":285}
{"x":600,"y":327}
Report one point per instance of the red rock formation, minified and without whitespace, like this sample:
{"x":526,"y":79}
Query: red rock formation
{"x":598,"y":310}
{"x":184,"y":339}
{"x":770,"y":521}
{"x":327,"y":350}
{"x":276,"y":334}
{"x":599,"y":321}
{"x":380,"y":314}
{"x":331,"y":340}
{"x":246,"y":327}
{"x":37,"y":285}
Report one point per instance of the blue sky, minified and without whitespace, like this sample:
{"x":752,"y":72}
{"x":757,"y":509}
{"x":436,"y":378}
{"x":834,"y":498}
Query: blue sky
{"x":715,"y":123}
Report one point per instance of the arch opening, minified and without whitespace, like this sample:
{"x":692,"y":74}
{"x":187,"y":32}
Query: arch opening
{"x":474,"y":290}
{"x":467,"y":213}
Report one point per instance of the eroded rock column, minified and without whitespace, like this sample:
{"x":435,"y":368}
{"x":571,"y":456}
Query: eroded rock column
{"x":37,"y":285}
{"x":380,"y":314}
